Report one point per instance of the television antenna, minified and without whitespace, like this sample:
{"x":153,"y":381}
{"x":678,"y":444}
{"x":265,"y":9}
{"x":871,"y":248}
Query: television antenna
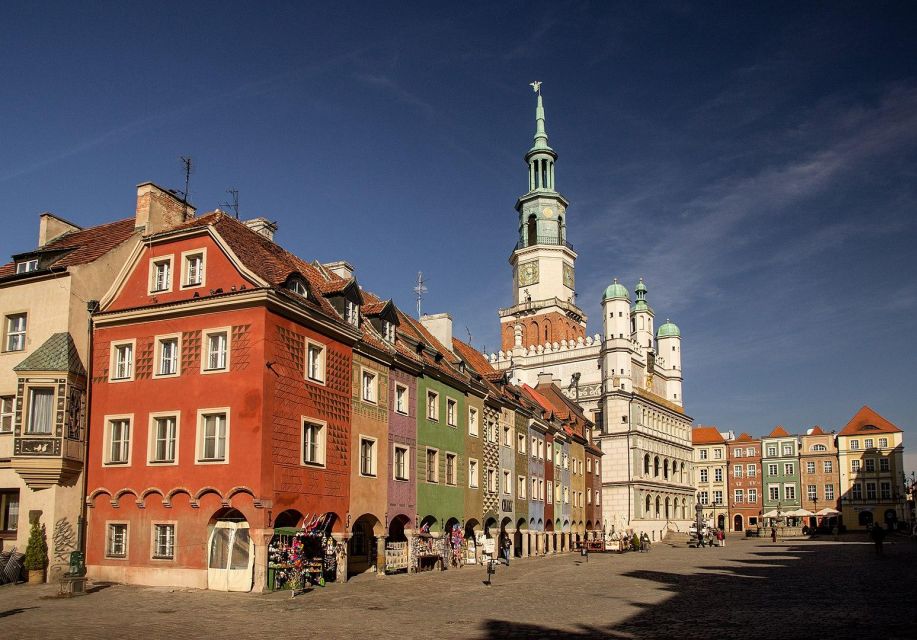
{"x":234,"y":205}
{"x":419,"y":290}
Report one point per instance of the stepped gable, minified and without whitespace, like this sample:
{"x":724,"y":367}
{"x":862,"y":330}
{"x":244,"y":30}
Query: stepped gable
{"x":80,"y":247}
{"x":706,"y":435}
{"x":778,"y":432}
{"x":867,"y":421}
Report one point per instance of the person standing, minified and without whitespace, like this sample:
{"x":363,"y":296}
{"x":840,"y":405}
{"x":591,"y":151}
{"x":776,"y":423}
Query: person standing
{"x":878,"y":536}
{"x":506,"y":549}
{"x":773,"y":533}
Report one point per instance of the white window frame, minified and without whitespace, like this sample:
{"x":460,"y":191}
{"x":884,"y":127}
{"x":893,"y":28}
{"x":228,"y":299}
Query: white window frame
{"x":772,"y":468}
{"x":772,"y":451}
{"x":373,"y":450}
{"x":20,"y":334}
{"x":109,"y":524}
{"x":492,"y":480}
{"x":205,"y":349}
{"x":435,"y":474}
{"x":829,"y":491}
{"x":855,"y":465}
{"x":432,"y":405}
{"x":789,"y":469}
{"x":869,"y":443}
{"x":534,"y":494}
{"x":451,"y":412}
{"x":771,"y":489}
{"x":199,"y":436}
{"x":703,"y":475}
{"x":151,"y":438}
{"x":106,"y":455}
{"x":154,"y":541}
{"x":312,"y":345}
{"x":451,"y":479}
{"x":753,"y":496}
{"x":718,"y":474}
{"x":158,"y":342}
{"x":788,"y":449}
{"x":521,"y":487}
{"x":827,"y":466}
{"x":811,"y":492}
{"x":7,"y":412}
{"x":751,"y":470}
{"x":352,"y":312}
{"x":883,"y":443}
{"x":402,"y":403}
{"x":28,"y":396}
{"x":186,"y":262}
{"x":737,"y":471}
{"x":810,"y":466}
{"x":473,"y":422}
{"x":854,"y":445}
{"x":370,"y":393}
{"x":27,"y":266}
{"x":406,"y":450}
{"x":155,"y":263}
{"x":321,"y":446}
{"x":473,"y":473}
{"x":113,"y":360}
{"x":507,"y":483}
{"x":520,"y":443}
{"x":787,"y":490}
{"x":738,"y":496}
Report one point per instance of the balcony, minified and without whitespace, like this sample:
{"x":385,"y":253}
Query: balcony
{"x":529,"y":241}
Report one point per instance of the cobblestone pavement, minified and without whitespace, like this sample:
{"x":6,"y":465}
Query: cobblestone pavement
{"x":791,"y":589}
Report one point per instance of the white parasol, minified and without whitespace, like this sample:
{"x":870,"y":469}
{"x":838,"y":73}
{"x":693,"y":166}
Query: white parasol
{"x":828,"y":511}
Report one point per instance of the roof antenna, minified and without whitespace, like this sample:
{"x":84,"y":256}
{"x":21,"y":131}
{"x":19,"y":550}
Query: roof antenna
{"x":420,"y":289}
{"x":234,"y":205}
{"x":186,"y":161}
{"x":470,"y":337}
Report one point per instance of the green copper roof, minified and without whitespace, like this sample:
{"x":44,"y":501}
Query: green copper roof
{"x":668,"y":330}
{"x":615,"y":290}
{"x":541,"y":136}
{"x":58,"y":353}
{"x":641,"y":304}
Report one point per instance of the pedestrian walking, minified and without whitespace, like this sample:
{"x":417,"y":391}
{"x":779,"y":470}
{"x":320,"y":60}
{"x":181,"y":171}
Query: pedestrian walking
{"x":878,"y":536}
{"x":506,"y":547}
{"x":700,"y":538}
{"x":774,"y":534}
{"x":720,"y":537}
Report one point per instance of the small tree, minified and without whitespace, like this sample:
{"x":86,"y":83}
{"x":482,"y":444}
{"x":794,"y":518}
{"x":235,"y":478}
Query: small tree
{"x":36,"y":553}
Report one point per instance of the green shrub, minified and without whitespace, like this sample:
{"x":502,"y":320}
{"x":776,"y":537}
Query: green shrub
{"x":36,"y":553}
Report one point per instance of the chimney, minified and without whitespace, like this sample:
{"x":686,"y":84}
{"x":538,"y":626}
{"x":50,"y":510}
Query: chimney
{"x":440,"y":325}
{"x":50,"y":227}
{"x":159,"y":209}
{"x":262,"y":226}
{"x":545,"y":378}
{"x":341,"y":268}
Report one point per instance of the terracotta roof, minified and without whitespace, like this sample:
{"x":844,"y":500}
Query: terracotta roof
{"x":538,"y":398}
{"x":82,"y":247}
{"x":867,"y":421}
{"x":816,"y":431}
{"x":706,"y":435}
{"x":744,"y":438}
{"x":373,"y":308}
{"x":778,"y":432}
{"x":472,"y":357}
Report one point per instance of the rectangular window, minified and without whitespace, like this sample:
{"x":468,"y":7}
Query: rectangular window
{"x":9,"y":511}
{"x":507,"y":483}
{"x":704,"y":497}
{"x":451,"y":469}
{"x":550,"y":487}
{"x":883,"y":443}
{"x":718,"y":475}
{"x":883,"y":464}
{"x":789,"y":491}
{"x":789,"y":469}
{"x":772,"y":469}
{"x":520,"y":487}
{"x":119,"y":441}
{"x":367,"y":457}
{"x":598,"y":498}
{"x":749,"y":452}
{"x":167,"y":354}
{"x":870,"y":490}
{"x":161,"y":275}
{"x":566,"y":495}
{"x":718,"y":497}
{"x":401,"y":399}
{"x":854,"y":445}
{"x":810,"y":467}
{"x":534,"y":494}
{"x":15,"y":332}
{"x":857,"y":491}
{"x":164,"y":541}
{"x":116,"y":544}
{"x":400,"y":462}
{"x":315,"y":362}
{"x":739,"y":496}
{"x":472,"y":473}
{"x":432,"y":465}
{"x":717,"y":454}
{"x":213,"y":436}
{"x":787,"y":449}
{"x":520,"y":443}
{"x":472,"y":421}
{"x":432,"y":406}
{"x":736,"y":471}
{"x":828,"y":466}
{"x":123,"y":365}
{"x":854,"y":465}
{"x":506,"y":441}
{"x":492,"y":480}
{"x":829,"y":492}
{"x":703,"y":454}
{"x":41,"y":410}
{"x":773,"y":492}
{"x":163,"y":434}
{"x":868,"y":443}
{"x":597,"y":467}
{"x":6,"y":413}
{"x":870,"y":464}
{"x":704,"y":475}
{"x":313,"y":443}
{"x":752,"y":495}
{"x":588,"y":465}
{"x":812,"y":492}
{"x":217,"y":343}
{"x":588,"y":497}
{"x":352,"y":313}
{"x":369,"y":386}
{"x":27,"y":266}
{"x":450,"y":412}
{"x":886,"y":489}
{"x":771,"y":451}
{"x":194,"y":269}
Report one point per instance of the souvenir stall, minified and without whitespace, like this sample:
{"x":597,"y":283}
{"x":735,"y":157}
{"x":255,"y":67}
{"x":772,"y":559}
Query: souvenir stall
{"x":396,"y":557}
{"x":427,"y":551}
{"x":456,"y":547}
{"x":298,"y":558}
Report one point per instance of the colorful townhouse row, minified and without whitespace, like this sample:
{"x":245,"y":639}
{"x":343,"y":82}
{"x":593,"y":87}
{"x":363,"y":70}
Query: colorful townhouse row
{"x":854,"y":477}
{"x":176,"y":390}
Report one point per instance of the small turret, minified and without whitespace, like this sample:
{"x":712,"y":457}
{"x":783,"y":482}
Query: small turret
{"x":668,"y":344}
{"x":616,"y":362}
{"x":642,"y":318}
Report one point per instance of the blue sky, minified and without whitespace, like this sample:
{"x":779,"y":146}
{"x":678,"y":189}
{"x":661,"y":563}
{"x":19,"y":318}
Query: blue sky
{"x":756,"y":163}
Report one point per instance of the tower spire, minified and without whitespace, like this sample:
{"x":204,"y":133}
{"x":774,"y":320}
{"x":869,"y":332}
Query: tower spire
{"x":541,"y":136}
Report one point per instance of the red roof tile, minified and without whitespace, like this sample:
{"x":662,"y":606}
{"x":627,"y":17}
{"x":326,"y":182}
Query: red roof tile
{"x":868,"y":421}
{"x":778,"y":432}
{"x":816,"y":431}
{"x":706,"y":435}
{"x":744,"y":438}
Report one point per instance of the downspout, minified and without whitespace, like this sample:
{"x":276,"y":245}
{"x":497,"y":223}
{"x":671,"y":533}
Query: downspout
{"x":92,"y":306}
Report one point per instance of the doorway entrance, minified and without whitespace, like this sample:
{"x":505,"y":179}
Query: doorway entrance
{"x":231,"y":554}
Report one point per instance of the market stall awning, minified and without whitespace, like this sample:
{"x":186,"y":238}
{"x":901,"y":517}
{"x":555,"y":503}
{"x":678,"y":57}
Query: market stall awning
{"x":827,"y":511}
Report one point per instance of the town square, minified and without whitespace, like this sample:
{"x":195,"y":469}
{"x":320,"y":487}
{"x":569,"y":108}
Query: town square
{"x":515,"y":320}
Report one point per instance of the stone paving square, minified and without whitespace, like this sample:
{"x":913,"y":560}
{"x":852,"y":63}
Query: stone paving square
{"x":750,"y":588}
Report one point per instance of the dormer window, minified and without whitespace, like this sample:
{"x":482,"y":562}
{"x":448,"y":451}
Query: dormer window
{"x":26,"y":266}
{"x":298,"y":287}
{"x":352,"y":313}
{"x":161,"y":274}
{"x":388,"y":331}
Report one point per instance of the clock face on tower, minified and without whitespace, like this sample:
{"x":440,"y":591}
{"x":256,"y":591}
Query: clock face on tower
{"x":528,"y":273}
{"x":568,"y":276}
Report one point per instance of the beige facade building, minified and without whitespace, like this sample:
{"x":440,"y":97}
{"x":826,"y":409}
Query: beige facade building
{"x":710,"y":475}
{"x":45,"y":299}
{"x":818,"y":473}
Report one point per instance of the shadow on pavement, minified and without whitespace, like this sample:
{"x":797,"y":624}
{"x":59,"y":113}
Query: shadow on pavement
{"x":820,"y":591}
{"x":12,"y":612}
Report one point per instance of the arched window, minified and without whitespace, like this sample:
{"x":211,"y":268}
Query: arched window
{"x":658,"y":506}
{"x":656,"y":466}
{"x":562,"y":229}
{"x":667,"y":507}
{"x":647,"y":506}
{"x":665,"y":471}
{"x":646,"y":466}
{"x":531,"y":231}
{"x":819,"y":447}
{"x":296,"y":285}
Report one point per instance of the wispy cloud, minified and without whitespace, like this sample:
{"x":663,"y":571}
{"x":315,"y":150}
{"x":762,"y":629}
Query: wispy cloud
{"x":388,"y":85}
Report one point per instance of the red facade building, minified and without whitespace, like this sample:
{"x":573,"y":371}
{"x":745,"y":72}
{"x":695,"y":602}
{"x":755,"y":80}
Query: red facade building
{"x":744,"y":479}
{"x":221,"y":407}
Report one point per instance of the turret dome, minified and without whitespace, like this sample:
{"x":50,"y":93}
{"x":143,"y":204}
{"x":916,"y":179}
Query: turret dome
{"x":615,"y":290}
{"x":668,"y":330}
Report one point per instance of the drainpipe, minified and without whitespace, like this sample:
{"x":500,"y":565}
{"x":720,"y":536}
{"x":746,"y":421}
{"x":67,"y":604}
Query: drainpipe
{"x":92,"y":306}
